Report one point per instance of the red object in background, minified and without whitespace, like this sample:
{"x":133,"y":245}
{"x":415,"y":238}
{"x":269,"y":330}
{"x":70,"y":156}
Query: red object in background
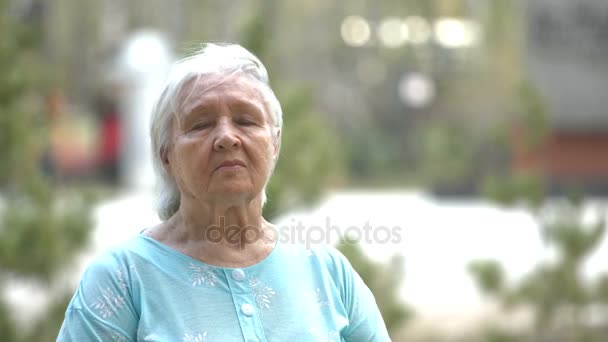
{"x":110,"y":139}
{"x":566,"y":156}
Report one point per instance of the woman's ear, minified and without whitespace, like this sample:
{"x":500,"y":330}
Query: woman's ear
{"x":164,"y":157}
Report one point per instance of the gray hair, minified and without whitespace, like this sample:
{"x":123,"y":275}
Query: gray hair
{"x":210,"y":59}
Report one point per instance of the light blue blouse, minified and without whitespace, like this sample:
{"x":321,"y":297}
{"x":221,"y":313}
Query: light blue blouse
{"x":146,"y":291}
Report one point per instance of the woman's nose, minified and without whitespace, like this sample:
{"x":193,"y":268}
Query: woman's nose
{"x":226,"y":137}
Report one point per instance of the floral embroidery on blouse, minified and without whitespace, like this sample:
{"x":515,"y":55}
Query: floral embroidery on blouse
{"x":262,"y":293}
{"x":333,"y":336}
{"x":120,"y":278}
{"x":152,"y":337}
{"x":195,"y":338}
{"x":108,"y":303}
{"x":202,"y":275}
{"x":318,"y":298}
{"x":116,"y":337}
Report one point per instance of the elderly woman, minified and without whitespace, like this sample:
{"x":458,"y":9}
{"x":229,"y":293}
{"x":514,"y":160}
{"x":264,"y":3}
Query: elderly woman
{"x":214,"y":269}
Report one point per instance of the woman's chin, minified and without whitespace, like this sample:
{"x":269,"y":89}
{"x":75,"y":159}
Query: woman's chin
{"x":233,"y":192}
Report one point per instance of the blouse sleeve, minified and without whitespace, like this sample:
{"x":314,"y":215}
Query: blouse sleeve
{"x":365,"y":320}
{"x":102,"y":308}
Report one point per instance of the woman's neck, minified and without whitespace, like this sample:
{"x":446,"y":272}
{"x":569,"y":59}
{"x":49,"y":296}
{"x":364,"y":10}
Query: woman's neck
{"x":219,"y":234}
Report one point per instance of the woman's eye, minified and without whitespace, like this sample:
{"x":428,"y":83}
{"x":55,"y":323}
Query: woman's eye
{"x":245,"y":122}
{"x":201,"y":126}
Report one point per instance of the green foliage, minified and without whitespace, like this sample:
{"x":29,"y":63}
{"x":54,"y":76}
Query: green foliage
{"x":309,"y":160}
{"x":514,"y":189}
{"x":566,"y":230}
{"x":367,"y":157}
{"x":48,"y":231}
{"x":601,"y":289}
{"x":496,"y":334}
{"x":383,"y":281}
{"x":256,"y":33}
{"x":40,"y":228}
{"x":46,"y":329}
{"x":17,"y":120}
{"x":554,"y":288}
{"x":534,"y":114}
{"x":447,"y":154}
{"x":489,"y":275}
{"x":554,"y":291}
{"x":8,"y":331}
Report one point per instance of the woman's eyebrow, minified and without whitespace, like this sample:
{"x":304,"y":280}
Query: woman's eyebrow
{"x":198,"y":110}
{"x":188,"y":117}
{"x":242,"y":104}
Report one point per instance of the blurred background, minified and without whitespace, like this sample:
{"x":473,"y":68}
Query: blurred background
{"x":478,"y":127}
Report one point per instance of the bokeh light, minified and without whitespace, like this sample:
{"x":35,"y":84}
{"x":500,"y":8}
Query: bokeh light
{"x":416,"y":90}
{"x":355,"y":31}
{"x":393,"y":32}
{"x":456,"y":33}
{"x":419,"y":30}
{"x":144,"y":51}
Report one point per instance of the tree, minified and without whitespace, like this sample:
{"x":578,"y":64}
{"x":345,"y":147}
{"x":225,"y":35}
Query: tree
{"x":40,"y":226}
{"x":554,"y":291}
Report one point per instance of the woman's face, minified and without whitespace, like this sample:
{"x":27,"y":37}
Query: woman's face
{"x":223,"y":143}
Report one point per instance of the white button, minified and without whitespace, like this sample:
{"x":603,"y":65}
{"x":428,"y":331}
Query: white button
{"x":238,"y":274}
{"x":247,"y":309}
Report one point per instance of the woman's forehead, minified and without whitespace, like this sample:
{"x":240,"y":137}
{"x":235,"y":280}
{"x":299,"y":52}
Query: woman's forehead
{"x":207,"y":90}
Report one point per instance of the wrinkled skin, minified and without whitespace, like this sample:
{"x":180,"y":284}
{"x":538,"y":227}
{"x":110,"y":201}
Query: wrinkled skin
{"x":222,"y":122}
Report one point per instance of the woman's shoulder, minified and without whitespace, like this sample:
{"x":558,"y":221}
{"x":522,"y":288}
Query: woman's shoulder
{"x":116,"y":261}
{"x":328,"y":253}
{"x":322,"y":256}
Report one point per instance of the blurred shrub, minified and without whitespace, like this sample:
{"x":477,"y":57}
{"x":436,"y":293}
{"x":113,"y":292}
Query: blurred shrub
{"x":40,"y":227}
